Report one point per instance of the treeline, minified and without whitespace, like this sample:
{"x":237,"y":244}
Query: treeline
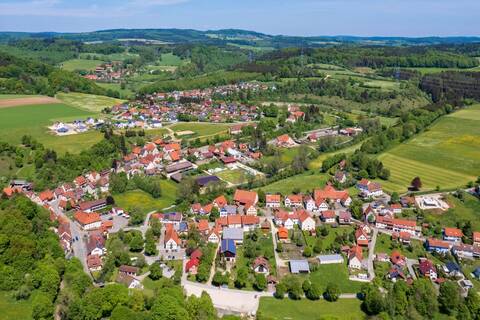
{"x":26,"y":76}
{"x":373,"y":57}
{"x":31,"y":259}
{"x":452,"y":87}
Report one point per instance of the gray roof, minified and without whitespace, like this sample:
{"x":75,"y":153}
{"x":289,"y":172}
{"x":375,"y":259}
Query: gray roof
{"x":233,"y":233}
{"x":330,"y":258}
{"x":298,"y":266}
{"x":178,"y":166}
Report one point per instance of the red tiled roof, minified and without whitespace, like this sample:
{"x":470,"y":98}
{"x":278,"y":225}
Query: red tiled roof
{"x":453,"y":232}
{"x":202,"y":225}
{"x":220,"y":201}
{"x":244,"y":196}
{"x":272,"y":198}
{"x":86,"y":218}
{"x":170,"y":233}
{"x":330,"y":192}
{"x":329,"y":214}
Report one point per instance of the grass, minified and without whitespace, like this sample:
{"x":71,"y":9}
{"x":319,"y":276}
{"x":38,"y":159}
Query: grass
{"x":286,"y":155}
{"x":124,"y":93}
{"x":200,"y":129}
{"x":34,"y":119}
{"x":16,"y":96}
{"x":426,"y":70}
{"x":336,"y":273}
{"x":169,"y":59}
{"x":80,"y":64}
{"x":446,"y":155}
{"x":347,"y":309}
{"x":304,"y":182}
{"x":11,"y":309}
{"x":236,"y":176}
{"x":317,"y":163}
{"x":467,"y":210}
{"x":88,"y":102}
{"x":144,"y":201}
{"x":330,"y":238}
{"x":384,"y":245}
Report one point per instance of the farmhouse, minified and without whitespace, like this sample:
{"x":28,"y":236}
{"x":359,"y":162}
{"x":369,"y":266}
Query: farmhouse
{"x":330,"y":193}
{"x":244,"y":197}
{"x":285,"y":141}
{"x":272,"y":200}
{"x":369,"y":188}
{"x":306,"y":221}
{"x":293,"y":200}
{"x":261,"y":265}
{"x":172,"y":241}
{"x":88,"y":221}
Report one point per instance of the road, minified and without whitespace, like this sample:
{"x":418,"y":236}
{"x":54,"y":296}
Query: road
{"x":410,"y":263}
{"x":212,"y":269}
{"x":371,"y":253}
{"x":79,"y":246}
{"x":278,"y":261}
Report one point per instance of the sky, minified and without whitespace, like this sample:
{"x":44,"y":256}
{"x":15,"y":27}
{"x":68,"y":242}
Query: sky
{"x":412,"y":18}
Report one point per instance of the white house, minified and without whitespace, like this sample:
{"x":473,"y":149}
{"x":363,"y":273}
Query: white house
{"x":307,"y":223}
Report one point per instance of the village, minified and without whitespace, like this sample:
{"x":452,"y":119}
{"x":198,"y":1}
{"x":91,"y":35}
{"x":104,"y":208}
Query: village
{"x":266,"y":238}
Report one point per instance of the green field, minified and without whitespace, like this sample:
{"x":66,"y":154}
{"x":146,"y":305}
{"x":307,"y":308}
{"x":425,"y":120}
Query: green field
{"x":81,"y":64}
{"x":236,"y":176}
{"x":200,"y":129}
{"x":426,"y":70}
{"x":124,"y":93}
{"x":16,"y":96}
{"x":347,"y":309}
{"x":468,"y":210}
{"x":88,"y":102}
{"x":304,"y":182}
{"x":34,"y":119}
{"x":146,"y":203}
{"x":11,"y":309}
{"x":446,"y":155}
{"x":169,"y":59}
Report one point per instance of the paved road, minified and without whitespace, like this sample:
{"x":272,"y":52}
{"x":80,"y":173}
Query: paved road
{"x":371,"y":252}
{"x":279,"y":261}
{"x":410,"y":263}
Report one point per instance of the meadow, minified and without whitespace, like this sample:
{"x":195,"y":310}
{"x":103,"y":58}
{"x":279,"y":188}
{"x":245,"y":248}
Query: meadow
{"x":236,"y":176}
{"x":88,"y":102}
{"x":145,"y":202}
{"x":467,"y":210}
{"x":303,"y":182}
{"x":81,"y":64}
{"x":201,"y":129}
{"x":16,"y":96}
{"x":446,"y":155}
{"x":347,"y":309}
{"x":34,"y":119}
{"x":11,"y":309}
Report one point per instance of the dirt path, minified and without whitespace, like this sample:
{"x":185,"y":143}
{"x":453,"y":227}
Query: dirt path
{"x":7,"y":103}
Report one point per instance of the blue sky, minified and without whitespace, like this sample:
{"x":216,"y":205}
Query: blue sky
{"x":289,"y":17}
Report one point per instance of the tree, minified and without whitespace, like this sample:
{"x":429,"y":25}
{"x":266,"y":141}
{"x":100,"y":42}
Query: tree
{"x":307,"y":251}
{"x":394,"y":198}
{"x":398,"y":300}
{"x":449,"y":297}
{"x":201,"y":308}
{"x":156,"y":227}
{"x":314,"y":292}
{"x":332,"y":292}
{"x":472,"y":301}
{"x":136,"y":242}
{"x":373,"y":302}
{"x":280,"y":290}
{"x":416,"y":184}
{"x":219,"y":279}
{"x":242,"y":277}
{"x":42,"y":306}
{"x":156,"y":272}
{"x":424,"y":297}
{"x":295,"y":290}
{"x":260,"y":282}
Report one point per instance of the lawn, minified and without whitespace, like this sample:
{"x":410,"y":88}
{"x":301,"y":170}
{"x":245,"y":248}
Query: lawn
{"x":16,"y":96}
{"x":11,"y":309}
{"x":384,"y":245}
{"x":34,"y":119}
{"x":201,"y":129}
{"x":169,"y":59}
{"x":235,"y":176}
{"x":286,"y":156}
{"x":330,"y":238}
{"x":347,"y":309}
{"x":317,"y":163}
{"x":447,"y":155}
{"x":124,"y":93}
{"x":336,"y":273}
{"x":81,"y":64}
{"x":303,"y":182}
{"x":88,"y":102}
{"x":145,"y":202}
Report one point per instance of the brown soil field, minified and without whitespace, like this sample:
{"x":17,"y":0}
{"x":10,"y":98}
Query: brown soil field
{"x":7,"y":103}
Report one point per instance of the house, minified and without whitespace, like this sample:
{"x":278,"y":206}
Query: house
{"x":172,"y":241}
{"x":355,"y":258}
{"x":452,"y":234}
{"x":88,"y":221}
{"x":404,"y":237}
{"x":129,"y":281}
{"x":285,"y":141}
{"x":282,"y":233}
{"x":427,"y":269}
{"x":203,"y":227}
{"x":329,"y":193}
{"x":96,"y":244}
{"x":465,"y":251}
{"x":244,"y":197}
{"x":329,"y":216}
{"x":369,"y":188}
{"x":128,"y":270}
{"x":234,"y":221}
{"x":361,"y":238}
{"x":94,"y":263}
{"x":220,"y":201}
{"x":306,"y":221}
{"x":228,"y":250}
{"x":340,"y":177}
{"x":330,"y":259}
{"x":344,"y":217}
{"x":192,"y":266}
{"x":403,"y":225}
{"x":273,"y":201}
{"x":249,"y":223}
{"x":46,"y":196}
{"x":286,"y":219}
{"x":204,"y":181}
{"x":395,"y":273}
{"x":452,"y":269}
{"x":261,"y":265}
{"x":213,"y":236}
{"x":439,"y":246}
{"x":299,"y":266}
{"x":476,"y":238}
{"x":396,"y":258}
{"x":293,"y":200}
{"x":91,"y":206}
{"x":476,"y":273}
{"x":234,"y":234}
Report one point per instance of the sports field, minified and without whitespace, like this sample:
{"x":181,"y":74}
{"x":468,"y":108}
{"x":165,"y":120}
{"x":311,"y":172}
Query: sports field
{"x":88,"y":102}
{"x":447,"y":155}
{"x":81,"y":64}
{"x":347,"y":309}
{"x":34,"y":119}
